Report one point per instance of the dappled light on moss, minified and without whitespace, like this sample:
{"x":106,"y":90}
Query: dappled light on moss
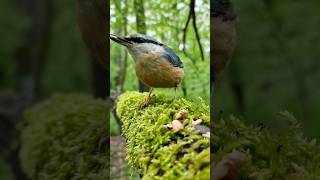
{"x":160,"y":153}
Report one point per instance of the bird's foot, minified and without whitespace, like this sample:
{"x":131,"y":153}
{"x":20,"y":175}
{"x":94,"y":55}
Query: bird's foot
{"x":147,"y":101}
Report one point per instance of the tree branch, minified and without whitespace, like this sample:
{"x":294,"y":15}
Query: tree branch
{"x":192,"y":16}
{"x":196,"y":30}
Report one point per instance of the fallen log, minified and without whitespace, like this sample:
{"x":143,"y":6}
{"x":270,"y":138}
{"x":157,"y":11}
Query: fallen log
{"x":244,"y":151}
{"x":64,"y":138}
{"x":166,"y":140}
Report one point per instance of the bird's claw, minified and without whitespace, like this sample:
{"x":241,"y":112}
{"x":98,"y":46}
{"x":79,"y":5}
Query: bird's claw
{"x":144,"y":104}
{"x":147,"y":101}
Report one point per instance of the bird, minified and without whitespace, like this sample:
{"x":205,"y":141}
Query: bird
{"x":156,"y":64}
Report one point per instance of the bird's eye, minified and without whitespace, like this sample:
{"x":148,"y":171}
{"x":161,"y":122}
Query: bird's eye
{"x":141,"y":40}
{"x":137,"y":39}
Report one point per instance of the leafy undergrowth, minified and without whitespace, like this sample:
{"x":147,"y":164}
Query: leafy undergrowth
{"x":270,"y":155}
{"x":63,"y":138}
{"x":160,"y":153}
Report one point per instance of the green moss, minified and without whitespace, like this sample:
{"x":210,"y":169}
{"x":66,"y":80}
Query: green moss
{"x":159,"y":153}
{"x":60,"y":139}
{"x":271,"y":155}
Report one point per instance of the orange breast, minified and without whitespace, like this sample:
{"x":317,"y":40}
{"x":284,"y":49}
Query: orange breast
{"x":159,"y":73}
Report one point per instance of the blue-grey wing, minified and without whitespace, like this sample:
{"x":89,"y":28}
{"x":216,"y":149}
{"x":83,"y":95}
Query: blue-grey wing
{"x":171,"y":57}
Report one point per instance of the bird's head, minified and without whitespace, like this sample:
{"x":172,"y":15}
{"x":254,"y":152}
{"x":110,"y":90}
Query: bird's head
{"x":138,"y":44}
{"x":134,"y":39}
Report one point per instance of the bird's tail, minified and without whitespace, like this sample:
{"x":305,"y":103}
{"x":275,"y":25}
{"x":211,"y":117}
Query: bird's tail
{"x":120,"y":39}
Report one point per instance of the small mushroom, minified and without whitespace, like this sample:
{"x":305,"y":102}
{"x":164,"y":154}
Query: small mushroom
{"x":167,"y":126}
{"x":207,"y":134}
{"x":181,"y":115}
{"x":197,"y":122}
{"x":176,"y":125}
{"x":228,"y":167}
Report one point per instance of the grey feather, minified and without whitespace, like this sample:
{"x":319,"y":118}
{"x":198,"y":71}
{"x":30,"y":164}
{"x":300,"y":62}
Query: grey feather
{"x":171,"y":57}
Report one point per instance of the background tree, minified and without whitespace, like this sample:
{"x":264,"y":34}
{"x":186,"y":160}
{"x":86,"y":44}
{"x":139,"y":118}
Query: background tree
{"x":41,"y":53}
{"x":275,"y":64}
{"x":141,"y":28}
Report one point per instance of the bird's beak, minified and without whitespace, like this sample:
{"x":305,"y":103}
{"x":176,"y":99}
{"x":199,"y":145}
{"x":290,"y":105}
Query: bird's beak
{"x":120,"y":39}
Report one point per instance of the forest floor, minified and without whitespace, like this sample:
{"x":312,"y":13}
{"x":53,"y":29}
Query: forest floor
{"x":120,"y":169}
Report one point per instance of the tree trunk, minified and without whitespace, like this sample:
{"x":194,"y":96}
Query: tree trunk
{"x":30,"y":60}
{"x":222,"y":38}
{"x":237,"y":87}
{"x":93,"y":24}
{"x":141,"y":28}
{"x":32,"y":55}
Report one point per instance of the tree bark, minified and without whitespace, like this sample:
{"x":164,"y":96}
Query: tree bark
{"x":93,"y":23}
{"x":237,"y":87}
{"x":32,"y":55}
{"x":11,"y":108}
{"x":141,"y":28}
{"x":222,"y":38}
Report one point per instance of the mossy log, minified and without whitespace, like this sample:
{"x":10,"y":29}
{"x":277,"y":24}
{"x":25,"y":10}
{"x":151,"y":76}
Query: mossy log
{"x":61,"y":139}
{"x":269,"y":154}
{"x":154,"y":149}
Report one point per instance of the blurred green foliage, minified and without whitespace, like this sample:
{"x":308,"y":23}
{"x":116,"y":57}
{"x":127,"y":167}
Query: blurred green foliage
{"x":63,"y":137}
{"x":5,"y":173}
{"x":67,"y":65}
{"x":275,"y":63}
{"x":13,"y":25}
{"x":165,"y":21}
{"x":114,"y":127}
{"x":284,"y":154}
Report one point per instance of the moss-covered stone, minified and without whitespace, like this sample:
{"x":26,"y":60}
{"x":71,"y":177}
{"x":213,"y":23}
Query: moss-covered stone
{"x":160,"y":153}
{"x":270,"y":155}
{"x":60,"y":139}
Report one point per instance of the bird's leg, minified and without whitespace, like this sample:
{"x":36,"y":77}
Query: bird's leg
{"x":150,"y":91}
{"x":147,"y":101}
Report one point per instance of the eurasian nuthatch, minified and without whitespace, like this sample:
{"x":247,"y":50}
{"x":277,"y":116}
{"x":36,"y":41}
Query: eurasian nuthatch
{"x":156,"y":65}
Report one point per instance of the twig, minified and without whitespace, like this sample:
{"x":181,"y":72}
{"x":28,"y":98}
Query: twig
{"x":185,"y":29}
{"x":196,"y":30}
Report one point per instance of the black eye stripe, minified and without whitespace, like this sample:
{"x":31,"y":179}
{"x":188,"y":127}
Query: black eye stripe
{"x":143,"y":40}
